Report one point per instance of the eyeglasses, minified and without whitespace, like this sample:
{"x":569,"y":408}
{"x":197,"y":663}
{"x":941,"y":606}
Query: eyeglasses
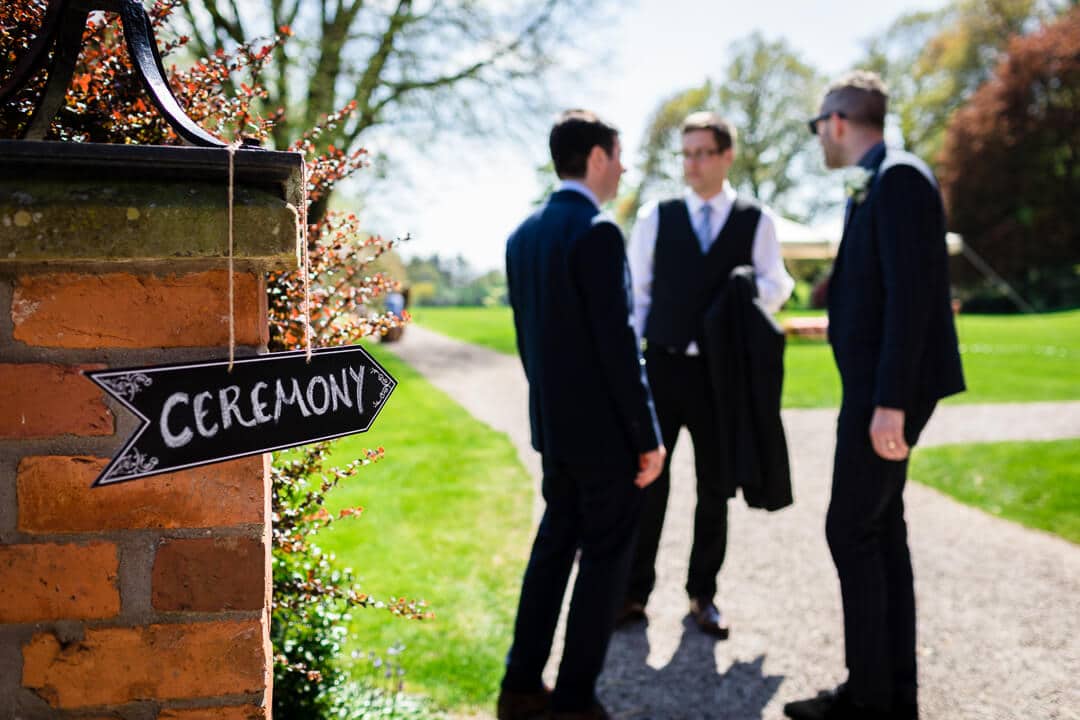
{"x":812,"y":124}
{"x":699,"y":154}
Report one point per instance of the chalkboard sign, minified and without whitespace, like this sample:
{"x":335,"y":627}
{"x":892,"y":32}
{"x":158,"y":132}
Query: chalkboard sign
{"x":199,"y":413}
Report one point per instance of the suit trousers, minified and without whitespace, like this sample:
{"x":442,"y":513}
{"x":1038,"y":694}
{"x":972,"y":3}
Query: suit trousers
{"x":682,"y":393}
{"x":867,"y":537}
{"x":591,"y":513}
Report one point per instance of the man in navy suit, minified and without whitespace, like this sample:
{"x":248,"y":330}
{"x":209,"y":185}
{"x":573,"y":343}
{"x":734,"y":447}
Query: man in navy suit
{"x":592,"y":420}
{"x":894,"y":341}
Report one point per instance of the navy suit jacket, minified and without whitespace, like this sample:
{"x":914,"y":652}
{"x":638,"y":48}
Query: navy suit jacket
{"x":890,"y":315}
{"x":589,"y":401}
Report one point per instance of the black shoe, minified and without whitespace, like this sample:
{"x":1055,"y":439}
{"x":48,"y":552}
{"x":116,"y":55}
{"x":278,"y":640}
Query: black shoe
{"x":833,"y":705}
{"x":631,"y":611}
{"x":708,"y":617}
{"x":514,"y":705}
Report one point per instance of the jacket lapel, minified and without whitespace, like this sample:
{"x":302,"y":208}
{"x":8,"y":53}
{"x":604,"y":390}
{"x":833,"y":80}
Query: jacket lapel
{"x":871,"y":161}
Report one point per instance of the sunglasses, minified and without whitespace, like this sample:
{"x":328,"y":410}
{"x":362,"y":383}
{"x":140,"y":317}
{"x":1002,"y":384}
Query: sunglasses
{"x":812,"y":124}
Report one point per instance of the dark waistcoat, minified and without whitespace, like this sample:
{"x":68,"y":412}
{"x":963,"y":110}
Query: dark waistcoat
{"x":686,"y":281}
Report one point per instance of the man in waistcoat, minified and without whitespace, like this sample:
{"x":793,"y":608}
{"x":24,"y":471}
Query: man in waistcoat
{"x":681,"y":253}
{"x":592,"y":421}
{"x":892,"y":334}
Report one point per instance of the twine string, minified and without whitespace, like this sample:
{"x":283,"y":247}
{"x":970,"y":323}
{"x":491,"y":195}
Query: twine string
{"x":306,"y":260}
{"x":231,"y":150}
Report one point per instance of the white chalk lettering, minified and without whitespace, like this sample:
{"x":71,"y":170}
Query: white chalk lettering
{"x":185,"y":435}
{"x":295,"y":397}
{"x":185,"y":415}
{"x":258,"y":405}
{"x":312,"y":384}
{"x":340,"y":393}
{"x":227,"y":398}
{"x":201,"y":413}
{"x":358,"y":378}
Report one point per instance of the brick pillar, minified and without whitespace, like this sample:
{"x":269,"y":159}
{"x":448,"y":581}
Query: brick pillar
{"x":150,"y":599}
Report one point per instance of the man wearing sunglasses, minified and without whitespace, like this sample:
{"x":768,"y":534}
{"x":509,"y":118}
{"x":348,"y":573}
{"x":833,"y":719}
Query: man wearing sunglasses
{"x":681,"y":254}
{"x":893,"y":338}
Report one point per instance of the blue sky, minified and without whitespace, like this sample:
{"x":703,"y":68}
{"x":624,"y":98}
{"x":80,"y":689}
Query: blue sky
{"x":466,"y":196}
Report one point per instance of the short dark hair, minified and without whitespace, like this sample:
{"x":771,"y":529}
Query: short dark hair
{"x":862,"y":97}
{"x":573,"y":137}
{"x":722,"y":130}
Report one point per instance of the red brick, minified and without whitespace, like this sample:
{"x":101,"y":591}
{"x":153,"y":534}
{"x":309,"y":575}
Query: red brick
{"x":55,"y":496}
{"x":53,"y":582}
{"x":210,"y":575}
{"x":46,"y":400}
{"x":241,"y":712}
{"x":74,"y":310}
{"x":112,"y":666}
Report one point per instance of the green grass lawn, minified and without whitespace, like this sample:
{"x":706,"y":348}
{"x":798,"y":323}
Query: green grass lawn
{"x":1020,"y":358}
{"x":447,"y":517}
{"x":491,"y":327}
{"x":1007,"y":358}
{"x":1032,"y":483}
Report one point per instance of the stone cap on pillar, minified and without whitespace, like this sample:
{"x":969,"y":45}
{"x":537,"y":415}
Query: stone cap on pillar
{"x":68,"y":203}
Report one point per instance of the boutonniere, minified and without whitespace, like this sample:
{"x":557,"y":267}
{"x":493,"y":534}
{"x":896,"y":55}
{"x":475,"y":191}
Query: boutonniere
{"x":857,"y":183}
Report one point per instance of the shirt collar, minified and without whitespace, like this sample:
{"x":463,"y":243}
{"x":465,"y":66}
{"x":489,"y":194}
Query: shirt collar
{"x":579,"y":187}
{"x":873,"y":157}
{"x":719,"y":202}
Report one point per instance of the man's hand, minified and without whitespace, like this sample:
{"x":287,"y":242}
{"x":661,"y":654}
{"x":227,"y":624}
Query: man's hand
{"x":649,"y":466}
{"x":887,"y":433}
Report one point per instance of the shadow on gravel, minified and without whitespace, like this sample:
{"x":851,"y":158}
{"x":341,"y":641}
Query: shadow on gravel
{"x":689,"y":687}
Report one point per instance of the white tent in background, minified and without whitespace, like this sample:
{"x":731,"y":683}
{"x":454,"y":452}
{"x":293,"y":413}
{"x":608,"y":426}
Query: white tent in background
{"x":819,"y":242}
{"x":805,"y":242}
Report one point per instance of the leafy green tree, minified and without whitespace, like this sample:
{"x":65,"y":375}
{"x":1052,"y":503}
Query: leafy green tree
{"x":1010,"y":169}
{"x":933,"y":61}
{"x":488,"y":290}
{"x":767,"y":91}
{"x":440,"y":280}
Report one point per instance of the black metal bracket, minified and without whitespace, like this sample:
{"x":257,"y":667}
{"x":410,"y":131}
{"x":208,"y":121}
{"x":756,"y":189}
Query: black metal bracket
{"x":64,"y":23}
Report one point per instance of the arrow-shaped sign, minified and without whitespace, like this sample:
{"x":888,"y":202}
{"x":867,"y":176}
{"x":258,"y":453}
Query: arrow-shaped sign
{"x":200,"y":413}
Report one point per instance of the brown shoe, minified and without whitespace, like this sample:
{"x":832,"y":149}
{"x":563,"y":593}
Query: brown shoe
{"x":523,"y":705}
{"x":707,"y":617}
{"x":596,"y":712}
{"x":631,"y":611}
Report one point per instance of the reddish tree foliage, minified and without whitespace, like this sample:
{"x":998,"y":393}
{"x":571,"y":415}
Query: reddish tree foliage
{"x":1010,"y":167}
{"x":106,"y":103}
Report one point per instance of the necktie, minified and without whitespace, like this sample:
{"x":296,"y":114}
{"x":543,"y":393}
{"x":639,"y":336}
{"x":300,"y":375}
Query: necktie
{"x":703,"y":228}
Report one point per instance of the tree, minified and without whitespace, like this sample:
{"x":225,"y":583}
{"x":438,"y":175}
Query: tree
{"x":934,"y":60}
{"x":420,"y":64}
{"x":1010,"y":169}
{"x":441,"y":280}
{"x":767,"y":92}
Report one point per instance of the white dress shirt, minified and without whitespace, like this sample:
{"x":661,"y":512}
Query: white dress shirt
{"x":773,"y":282}
{"x":578,"y":186}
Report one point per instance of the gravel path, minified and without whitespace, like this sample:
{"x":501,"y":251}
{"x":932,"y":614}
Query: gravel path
{"x":999,"y":605}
